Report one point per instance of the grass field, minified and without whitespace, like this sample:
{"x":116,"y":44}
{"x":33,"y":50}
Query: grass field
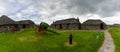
{"x":29,"y":41}
{"x":115,"y":32}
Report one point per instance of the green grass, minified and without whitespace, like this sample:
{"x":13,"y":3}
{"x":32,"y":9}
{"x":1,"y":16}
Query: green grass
{"x":115,"y":32}
{"x":29,"y":41}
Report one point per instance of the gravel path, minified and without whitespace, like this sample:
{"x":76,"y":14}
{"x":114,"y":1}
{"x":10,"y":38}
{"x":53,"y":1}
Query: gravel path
{"x":108,"y":45}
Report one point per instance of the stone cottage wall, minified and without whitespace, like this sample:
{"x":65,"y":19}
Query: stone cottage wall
{"x":90,"y":27}
{"x":105,"y":27}
{"x":57,"y":26}
{"x":3,"y":29}
{"x":20,"y":26}
{"x":6,"y":28}
{"x":66,"y":26}
{"x":74,"y":26}
{"x":52,"y":26}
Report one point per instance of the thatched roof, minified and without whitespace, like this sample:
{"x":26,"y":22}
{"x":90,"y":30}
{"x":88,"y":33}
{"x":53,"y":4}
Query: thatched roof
{"x":66,"y":21}
{"x":25,"y":22}
{"x":92,"y":22}
{"x":6,"y":20}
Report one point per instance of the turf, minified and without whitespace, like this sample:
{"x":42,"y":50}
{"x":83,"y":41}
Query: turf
{"x":29,"y":41}
{"x":115,"y":32}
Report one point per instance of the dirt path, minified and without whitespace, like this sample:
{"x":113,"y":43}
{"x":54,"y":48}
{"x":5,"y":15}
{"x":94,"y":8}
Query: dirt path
{"x":108,"y":45}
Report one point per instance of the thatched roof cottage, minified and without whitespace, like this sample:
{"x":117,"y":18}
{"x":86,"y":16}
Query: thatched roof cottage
{"x":116,"y":25}
{"x":67,"y":24}
{"x":93,"y":25}
{"x":25,"y":24}
{"x":6,"y":23}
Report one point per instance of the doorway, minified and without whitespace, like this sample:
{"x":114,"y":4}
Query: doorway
{"x":101,"y":26}
{"x":24,"y":26}
{"x":67,"y":27}
{"x":60,"y":26}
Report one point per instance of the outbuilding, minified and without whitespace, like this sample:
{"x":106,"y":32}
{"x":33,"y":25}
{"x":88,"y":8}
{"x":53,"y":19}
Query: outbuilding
{"x":7,"y":24}
{"x":67,"y":24}
{"x":92,"y":24}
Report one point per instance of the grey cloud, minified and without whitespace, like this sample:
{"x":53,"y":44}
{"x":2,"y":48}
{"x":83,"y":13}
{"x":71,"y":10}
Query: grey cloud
{"x":103,"y":8}
{"x":109,"y":8}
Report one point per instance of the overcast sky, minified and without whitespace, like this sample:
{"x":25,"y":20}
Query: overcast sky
{"x":52,"y":10}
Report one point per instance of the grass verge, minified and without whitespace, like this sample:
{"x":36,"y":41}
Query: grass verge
{"x":29,"y":41}
{"x":115,"y":32}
